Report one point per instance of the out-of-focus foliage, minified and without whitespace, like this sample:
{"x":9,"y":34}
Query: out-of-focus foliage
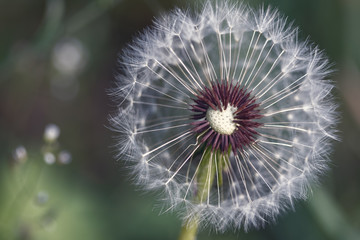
{"x":57,"y":58}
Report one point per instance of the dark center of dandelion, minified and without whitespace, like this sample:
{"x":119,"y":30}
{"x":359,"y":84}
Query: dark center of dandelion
{"x":225,"y":116}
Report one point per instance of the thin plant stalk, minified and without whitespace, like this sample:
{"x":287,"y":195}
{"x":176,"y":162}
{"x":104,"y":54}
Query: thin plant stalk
{"x":205,"y":177}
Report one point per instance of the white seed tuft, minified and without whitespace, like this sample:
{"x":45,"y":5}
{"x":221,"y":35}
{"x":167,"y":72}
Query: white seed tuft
{"x":165,"y":68}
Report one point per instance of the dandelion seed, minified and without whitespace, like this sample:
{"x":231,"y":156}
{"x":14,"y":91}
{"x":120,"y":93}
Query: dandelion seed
{"x":226,"y":111}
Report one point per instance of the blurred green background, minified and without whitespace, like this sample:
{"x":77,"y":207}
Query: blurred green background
{"x":57,"y":58}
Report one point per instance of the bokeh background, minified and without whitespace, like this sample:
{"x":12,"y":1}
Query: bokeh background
{"x":58,"y":58}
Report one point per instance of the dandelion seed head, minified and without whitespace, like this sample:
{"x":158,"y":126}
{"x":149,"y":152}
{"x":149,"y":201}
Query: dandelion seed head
{"x":69,"y":56}
{"x":64,"y":157}
{"x":229,"y":92}
{"x":20,"y":154}
{"x":49,"y":158}
{"x":224,"y":115}
{"x":51,"y":133}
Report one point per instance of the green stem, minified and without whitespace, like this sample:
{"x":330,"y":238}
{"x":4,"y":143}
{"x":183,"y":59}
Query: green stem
{"x":189,"y":230}
{"x":205,"y":177}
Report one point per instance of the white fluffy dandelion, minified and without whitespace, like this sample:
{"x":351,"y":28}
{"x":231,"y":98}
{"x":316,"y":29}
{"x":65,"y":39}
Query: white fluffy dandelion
{"x":226,"y":112}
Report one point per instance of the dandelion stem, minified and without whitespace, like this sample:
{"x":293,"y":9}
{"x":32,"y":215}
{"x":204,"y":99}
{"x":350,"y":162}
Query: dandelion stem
{"x":189,"y":230}
{"x":205,"y":177}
